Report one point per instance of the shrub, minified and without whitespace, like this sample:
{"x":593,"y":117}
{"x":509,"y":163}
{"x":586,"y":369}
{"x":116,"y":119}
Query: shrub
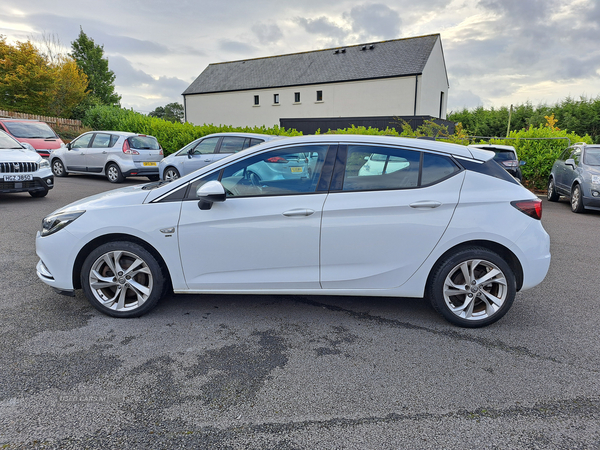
{"x":171,"y":135}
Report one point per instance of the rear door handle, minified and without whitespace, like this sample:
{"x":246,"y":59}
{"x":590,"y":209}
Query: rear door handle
{"x":300,"y":212}
{"x":425,"y":204}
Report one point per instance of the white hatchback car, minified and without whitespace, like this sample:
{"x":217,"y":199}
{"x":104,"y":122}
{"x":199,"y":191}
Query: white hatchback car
{"x":113,"y":154}
{"x":451,"y":226}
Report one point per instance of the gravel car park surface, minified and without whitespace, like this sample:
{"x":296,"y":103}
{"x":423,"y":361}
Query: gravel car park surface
{"x":296,"y":372}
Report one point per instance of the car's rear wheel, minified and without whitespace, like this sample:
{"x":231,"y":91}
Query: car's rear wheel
{"x":122,"y":279}
{"x":473,"y":288}
{"x":113,"y":173}
{"x":171,"y":174}
{"x":577,"y":200}
{"x":58,"y":169}
{"x":38,"y":194}
{"x":552,"y":194}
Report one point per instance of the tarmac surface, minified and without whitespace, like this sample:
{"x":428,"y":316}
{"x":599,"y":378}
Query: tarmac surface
{"x":296,"y":372}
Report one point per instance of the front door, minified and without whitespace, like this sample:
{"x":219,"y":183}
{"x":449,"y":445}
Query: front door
{"x":264,"y":237}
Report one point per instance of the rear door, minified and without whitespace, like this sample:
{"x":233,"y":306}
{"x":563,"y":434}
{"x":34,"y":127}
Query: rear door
{"x":97,"y":154}
{"x":379,"y":226}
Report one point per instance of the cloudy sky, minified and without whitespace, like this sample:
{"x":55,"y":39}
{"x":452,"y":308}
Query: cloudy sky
{"x":498,"y":52}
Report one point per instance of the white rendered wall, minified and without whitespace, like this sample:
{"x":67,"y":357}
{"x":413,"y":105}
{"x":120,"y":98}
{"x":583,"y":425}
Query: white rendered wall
{"x":383,"y":97}
{"x":433,"y":82}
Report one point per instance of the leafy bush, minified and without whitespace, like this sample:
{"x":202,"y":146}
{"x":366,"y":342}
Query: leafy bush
{"x":171,"y":135}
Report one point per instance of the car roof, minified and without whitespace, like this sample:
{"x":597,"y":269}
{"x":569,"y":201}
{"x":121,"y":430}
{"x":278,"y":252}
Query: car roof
{"x":11,"y":119}
{"x":266,"y":137}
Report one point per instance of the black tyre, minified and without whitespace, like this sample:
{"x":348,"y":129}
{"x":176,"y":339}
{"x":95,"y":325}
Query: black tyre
{"x":38,"y":194}
{"x":153,"y":177}
{"x":58,"y":168}
{"x":577,"y":200}
{"x":552,"y":194}
{"x":113,"y":173}
{"x":473,"y":288}
{"x":171,"y":174}
{"x":123,"y":279}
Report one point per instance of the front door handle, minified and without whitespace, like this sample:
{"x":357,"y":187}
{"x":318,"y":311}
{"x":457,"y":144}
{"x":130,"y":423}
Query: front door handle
{"x":300,"y":212}
{"x":425,"y":204}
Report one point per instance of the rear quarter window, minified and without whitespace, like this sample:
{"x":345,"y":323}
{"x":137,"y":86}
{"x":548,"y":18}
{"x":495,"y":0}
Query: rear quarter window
{"x":436,"y":168}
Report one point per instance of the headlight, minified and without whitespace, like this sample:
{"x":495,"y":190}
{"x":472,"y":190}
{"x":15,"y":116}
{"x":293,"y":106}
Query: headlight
{"x":55,"y":222}
{"x":44,"y":164}
{"x":595,"y":179}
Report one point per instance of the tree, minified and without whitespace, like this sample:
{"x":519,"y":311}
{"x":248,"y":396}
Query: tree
{"x":173,"y":112}
{"x":70,"y":85}
{"x":26,"y":80}
{"x":89,"y":58}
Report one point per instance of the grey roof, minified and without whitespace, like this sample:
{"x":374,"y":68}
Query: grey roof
{"x":395,"y":58}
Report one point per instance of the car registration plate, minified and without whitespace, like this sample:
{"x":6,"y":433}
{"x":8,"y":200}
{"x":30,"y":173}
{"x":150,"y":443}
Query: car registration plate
{"x":22,"y":177}
{"x":149,"y":164}
{"x":296,"y":169}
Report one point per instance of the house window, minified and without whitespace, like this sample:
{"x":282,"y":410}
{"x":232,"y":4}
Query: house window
{"x":441,"y":103}
{"x":319,"y":96}
{"x":296,"y":97}
{"x":256,"y":100}
{"x":276,"y":99}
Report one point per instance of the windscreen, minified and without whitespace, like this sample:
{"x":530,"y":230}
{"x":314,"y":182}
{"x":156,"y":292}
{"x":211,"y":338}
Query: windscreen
{"x":30,"y":130}
{"x":8,"y":142}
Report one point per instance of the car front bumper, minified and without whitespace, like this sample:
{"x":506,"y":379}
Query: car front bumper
{"x":37,"y":184}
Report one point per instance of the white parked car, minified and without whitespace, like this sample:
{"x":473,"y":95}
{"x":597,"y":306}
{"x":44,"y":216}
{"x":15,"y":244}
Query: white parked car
{"x":22,"y":169}
{"x":451,"y":226}
{"x":113,"y":154}
{"x":205,"y":150}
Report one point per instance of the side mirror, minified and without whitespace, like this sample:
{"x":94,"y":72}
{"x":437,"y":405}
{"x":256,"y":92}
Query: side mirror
{"x":522,"y":163}
{"x":209,"y":193}
{"x":190,"y":152}
{"x":570,"y":162}
{"x":68,"y":146}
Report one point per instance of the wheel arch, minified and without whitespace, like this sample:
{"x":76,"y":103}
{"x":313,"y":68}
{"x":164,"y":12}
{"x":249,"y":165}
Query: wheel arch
{"x":100,"y":240}
{"x":510,"y":258}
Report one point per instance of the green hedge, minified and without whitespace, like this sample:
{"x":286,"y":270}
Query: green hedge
{"x":172,"y":136}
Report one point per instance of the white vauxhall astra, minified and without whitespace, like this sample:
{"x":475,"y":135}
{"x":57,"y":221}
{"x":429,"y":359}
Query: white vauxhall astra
{"x":435,"y":220}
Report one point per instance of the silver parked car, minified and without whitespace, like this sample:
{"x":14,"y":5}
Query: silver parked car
{"x":113,"y":154}
{"x":576,"y":174}
{"x":206,"y":150}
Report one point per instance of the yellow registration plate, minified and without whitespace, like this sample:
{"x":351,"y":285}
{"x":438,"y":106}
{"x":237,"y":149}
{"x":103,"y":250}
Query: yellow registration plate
{"x":149,"y":164}
{"x":296,"y":169}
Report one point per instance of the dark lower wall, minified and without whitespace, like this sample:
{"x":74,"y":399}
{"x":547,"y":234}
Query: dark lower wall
{"x":310,"y":126}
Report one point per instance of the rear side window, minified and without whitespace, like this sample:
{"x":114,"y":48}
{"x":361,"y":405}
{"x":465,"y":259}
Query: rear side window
{"x":143,"y":142}
{"x":254,"y":142}
{"x":101,"y":141}
{"x":370,"y":168}
{"x":231,"y":144}
{"x":437,"y":168}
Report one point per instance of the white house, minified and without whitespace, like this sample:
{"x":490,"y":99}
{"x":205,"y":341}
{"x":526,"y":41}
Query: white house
{"x":396,"y":78}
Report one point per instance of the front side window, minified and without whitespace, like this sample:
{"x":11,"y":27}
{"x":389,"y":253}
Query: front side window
{"x":82,"y":142}
{"x":206,"y":146}
{"x":576,"y":155}
{"x":294,"y":170}
{"x":371,"y":168}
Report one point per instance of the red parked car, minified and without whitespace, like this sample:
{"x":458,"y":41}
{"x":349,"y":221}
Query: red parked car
{"x":38,"y":134}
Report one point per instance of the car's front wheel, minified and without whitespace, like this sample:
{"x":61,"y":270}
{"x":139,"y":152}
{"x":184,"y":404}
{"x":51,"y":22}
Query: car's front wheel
{"x":58,"y":168}
{"x":577,"y":200}
{"x":552,"y":194}
{"x":171,"y":174}
{"x":38,"y":194}
{"x":122,"y":279}
{"x":153,"y":177}
{"x":114,"y":174}
{"x":473,"y":288}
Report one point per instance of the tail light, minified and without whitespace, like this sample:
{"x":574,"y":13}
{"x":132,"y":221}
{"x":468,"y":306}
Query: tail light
{"x":128,"y":150}
{"x":276,"y":159}
{"x":510,"y":164}
{"x":533,"y":208}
